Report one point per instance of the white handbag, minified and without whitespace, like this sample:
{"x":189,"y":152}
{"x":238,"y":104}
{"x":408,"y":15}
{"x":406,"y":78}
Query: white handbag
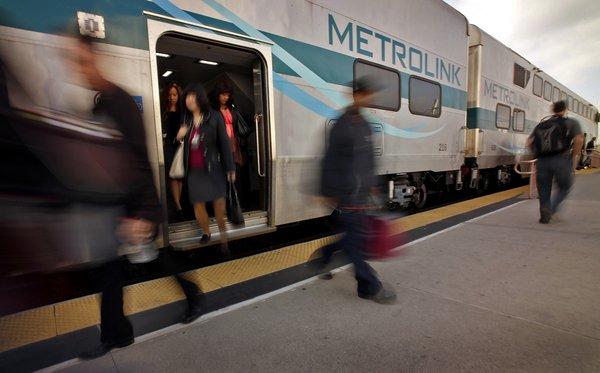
{"x":177,"y":170}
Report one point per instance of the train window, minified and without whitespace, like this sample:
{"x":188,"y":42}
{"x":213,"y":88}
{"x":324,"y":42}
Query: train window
{"x":576,"y":106}
{"x":538,"y":83}
{"x":502,"y":116}
{"x":425,"y":97}
{"x":547,"y":91}
{"x":388,"y":98}
{"x":556,"y":94}
{"x":521,"y":76}
{"x":563,"y":96}
{"x":570,"y":102}
{"x":518,"y":120}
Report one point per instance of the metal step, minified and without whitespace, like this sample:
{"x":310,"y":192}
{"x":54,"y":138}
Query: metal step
{"x":186,"y":235}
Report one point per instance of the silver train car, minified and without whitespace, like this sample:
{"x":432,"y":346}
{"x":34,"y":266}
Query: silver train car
{"x":292,"y":64}
{"x":508,"y":97}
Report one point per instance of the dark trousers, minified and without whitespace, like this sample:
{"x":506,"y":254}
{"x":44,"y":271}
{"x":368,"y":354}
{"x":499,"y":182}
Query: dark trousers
{"x":353,"y":243}
{"x":557,"y":168}
{"x":190,"y":289}
{"x":114,"y":326}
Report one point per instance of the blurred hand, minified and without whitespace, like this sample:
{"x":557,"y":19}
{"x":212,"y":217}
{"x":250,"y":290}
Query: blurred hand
{"x":181,"y":133}
{"x":135,"y":231}
{"x":231,"y":176}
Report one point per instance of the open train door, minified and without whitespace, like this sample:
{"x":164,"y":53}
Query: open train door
{"x":187,"y":52}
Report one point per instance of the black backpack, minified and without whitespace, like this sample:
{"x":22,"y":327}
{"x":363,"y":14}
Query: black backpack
{"x":552,"y":137}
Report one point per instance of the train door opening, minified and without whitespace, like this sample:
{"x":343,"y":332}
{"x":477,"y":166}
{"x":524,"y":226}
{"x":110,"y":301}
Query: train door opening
{"x":183,"y":60}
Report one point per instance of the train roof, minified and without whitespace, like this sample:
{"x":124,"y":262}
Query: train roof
{"x":475,"y":35}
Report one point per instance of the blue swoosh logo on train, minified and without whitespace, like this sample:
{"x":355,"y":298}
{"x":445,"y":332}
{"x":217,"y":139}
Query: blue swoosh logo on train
{"x":512,"y":149}
{"x":290,"y":89}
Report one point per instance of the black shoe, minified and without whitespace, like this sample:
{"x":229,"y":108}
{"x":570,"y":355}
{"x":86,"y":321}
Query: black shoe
{"x":205,"y":238}
{"x":317,"y":262}
{"x":104,"y":348}
{"x":385,"y":295}
{"x":545,"y":216}
{"x":326,"y":276}
{"x":195,"y":311}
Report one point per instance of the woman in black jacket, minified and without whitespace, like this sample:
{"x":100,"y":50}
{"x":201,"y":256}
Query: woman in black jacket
{"x":171,"y":124}
{"x":208,"y":160}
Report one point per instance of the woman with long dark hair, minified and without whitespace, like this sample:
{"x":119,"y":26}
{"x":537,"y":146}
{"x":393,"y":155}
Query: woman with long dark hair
{"x":223,"y":102}
{"x":171,"y":123}
{"x":208,"y":160}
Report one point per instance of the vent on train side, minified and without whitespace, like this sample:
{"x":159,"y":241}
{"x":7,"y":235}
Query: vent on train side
{"x":377,"y":138}
{"x":378,"y":135}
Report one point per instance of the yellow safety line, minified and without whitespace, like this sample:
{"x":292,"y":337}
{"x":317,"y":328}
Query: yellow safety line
{"x":49,"y":321}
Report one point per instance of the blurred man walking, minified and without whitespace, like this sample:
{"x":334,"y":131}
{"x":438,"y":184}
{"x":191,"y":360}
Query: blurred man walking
{"x":348,"y":177}
{"x":551,"y":142}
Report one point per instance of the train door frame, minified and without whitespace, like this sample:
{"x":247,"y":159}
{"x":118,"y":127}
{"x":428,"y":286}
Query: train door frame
{"x":158,"y":26}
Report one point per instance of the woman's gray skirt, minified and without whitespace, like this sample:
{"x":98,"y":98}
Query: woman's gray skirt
{"x":204,"y":187}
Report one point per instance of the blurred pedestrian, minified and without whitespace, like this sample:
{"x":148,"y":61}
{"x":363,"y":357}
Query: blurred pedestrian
{"x":348,"y":178}
{"x":139,"y":201}
{"x":556,"y":143}
{"x":590,"y":146}
{"x":208,"y":160}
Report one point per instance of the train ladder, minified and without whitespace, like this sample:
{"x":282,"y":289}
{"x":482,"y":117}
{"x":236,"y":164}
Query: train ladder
{"x":532,"y":176}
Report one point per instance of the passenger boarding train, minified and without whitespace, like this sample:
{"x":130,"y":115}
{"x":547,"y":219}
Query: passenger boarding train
{"x":456,"y":109}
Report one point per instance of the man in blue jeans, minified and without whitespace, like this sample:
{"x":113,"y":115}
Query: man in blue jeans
{"x":348,"y":177}
{"x":556,"y":143}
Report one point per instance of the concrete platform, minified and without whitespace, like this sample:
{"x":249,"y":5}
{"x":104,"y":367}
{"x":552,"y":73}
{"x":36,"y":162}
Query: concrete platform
{"x":499,"y":293}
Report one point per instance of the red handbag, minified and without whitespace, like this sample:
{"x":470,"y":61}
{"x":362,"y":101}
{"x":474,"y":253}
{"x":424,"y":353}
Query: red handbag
{"x":385,"y":236}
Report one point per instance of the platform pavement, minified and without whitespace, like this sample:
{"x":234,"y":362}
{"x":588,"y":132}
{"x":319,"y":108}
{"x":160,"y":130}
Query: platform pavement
{"x":500,"y":293}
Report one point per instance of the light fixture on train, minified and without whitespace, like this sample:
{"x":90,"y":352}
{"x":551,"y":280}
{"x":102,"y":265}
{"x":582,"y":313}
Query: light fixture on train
{"x":167,"y":73}
{"x":163,"y":55}
{"x":207,"y":62}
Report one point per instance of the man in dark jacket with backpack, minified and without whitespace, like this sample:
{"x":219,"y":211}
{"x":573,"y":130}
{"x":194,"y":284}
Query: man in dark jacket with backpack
{"x":551,"y":142}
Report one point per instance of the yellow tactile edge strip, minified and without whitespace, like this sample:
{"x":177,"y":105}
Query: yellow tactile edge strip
{"x":46,"y":322}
